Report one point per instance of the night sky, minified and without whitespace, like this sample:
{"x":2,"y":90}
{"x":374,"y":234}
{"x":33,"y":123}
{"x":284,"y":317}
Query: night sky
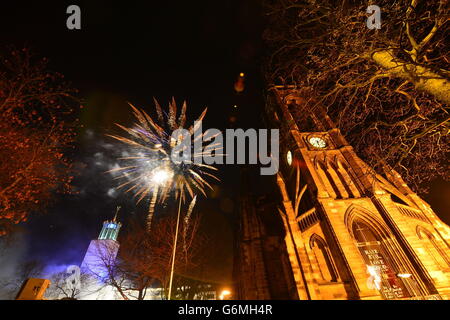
{"x":133,"y":51}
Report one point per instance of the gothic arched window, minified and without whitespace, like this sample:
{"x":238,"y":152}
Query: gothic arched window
{"x":323,"y":258}
{"x":434,"y":250}
{"x":382,"y":271}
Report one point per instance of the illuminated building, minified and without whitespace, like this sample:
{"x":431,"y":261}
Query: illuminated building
{"x":100,"y":255}
{"x":352,"y":234}
{"x":102,"y":250}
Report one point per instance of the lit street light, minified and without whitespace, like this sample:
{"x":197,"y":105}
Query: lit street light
{"x":225,"y":293}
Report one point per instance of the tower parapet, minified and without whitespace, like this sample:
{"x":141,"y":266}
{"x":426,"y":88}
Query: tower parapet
{"x":110,"y":230}
{"x":102,"y":252}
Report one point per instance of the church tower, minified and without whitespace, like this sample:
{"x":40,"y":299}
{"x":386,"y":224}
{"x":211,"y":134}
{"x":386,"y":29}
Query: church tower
{"x":102,"y":251}
{"x":349,"y":232}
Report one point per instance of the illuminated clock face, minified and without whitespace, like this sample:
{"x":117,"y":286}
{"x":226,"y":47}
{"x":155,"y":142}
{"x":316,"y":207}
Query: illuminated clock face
{"x":289,"y":157}
{"x":317,"y":142}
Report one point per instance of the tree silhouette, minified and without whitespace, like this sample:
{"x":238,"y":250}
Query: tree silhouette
{"x":144,"y":258}
{"x":36,"y":128}
{"x":388,"y":90}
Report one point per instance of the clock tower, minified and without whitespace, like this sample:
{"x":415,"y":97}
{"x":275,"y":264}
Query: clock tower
{"x":102,"y":251}
{"x":348,"y":232}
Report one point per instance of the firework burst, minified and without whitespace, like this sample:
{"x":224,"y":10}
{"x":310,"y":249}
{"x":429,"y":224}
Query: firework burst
{"x":149,"y":169}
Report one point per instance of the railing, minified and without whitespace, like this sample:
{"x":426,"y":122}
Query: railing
{"x":308,"y":218}
{"x":412,"y":213}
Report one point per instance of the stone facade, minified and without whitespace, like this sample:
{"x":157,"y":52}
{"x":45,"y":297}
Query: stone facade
{"x":348,"y":233}
{"x":262,"y":265}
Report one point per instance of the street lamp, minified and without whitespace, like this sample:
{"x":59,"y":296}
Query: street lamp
{"x":159,"y":177}
{"x":174,"y":249}
{"x":224,"y":293}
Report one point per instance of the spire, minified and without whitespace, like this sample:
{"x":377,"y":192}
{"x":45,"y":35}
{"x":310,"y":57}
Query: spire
{"x":300,"y":103}
{"x":117,"y":212}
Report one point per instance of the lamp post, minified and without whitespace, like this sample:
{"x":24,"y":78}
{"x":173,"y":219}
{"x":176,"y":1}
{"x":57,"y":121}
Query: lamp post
{"x":174,"y":251}
{"x":159,"y":177}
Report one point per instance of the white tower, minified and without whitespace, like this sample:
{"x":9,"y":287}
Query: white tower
{"x":100,"y":256}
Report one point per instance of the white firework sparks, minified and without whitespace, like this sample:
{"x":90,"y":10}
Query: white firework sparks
{"x":148,"y":168}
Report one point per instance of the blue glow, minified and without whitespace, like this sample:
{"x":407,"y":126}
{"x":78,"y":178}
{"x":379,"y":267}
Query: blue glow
{"x":112,"y":226}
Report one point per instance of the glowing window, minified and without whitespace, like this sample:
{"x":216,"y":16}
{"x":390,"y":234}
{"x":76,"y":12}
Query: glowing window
{"x":289,"y":157}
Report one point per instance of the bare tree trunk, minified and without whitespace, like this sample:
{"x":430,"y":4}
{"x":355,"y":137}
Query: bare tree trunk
{"x":423,"y":78}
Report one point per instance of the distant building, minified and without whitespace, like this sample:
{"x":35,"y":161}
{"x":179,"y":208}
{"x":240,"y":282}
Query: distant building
{"x":102,"y":251}
{"x":100,"y":255}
